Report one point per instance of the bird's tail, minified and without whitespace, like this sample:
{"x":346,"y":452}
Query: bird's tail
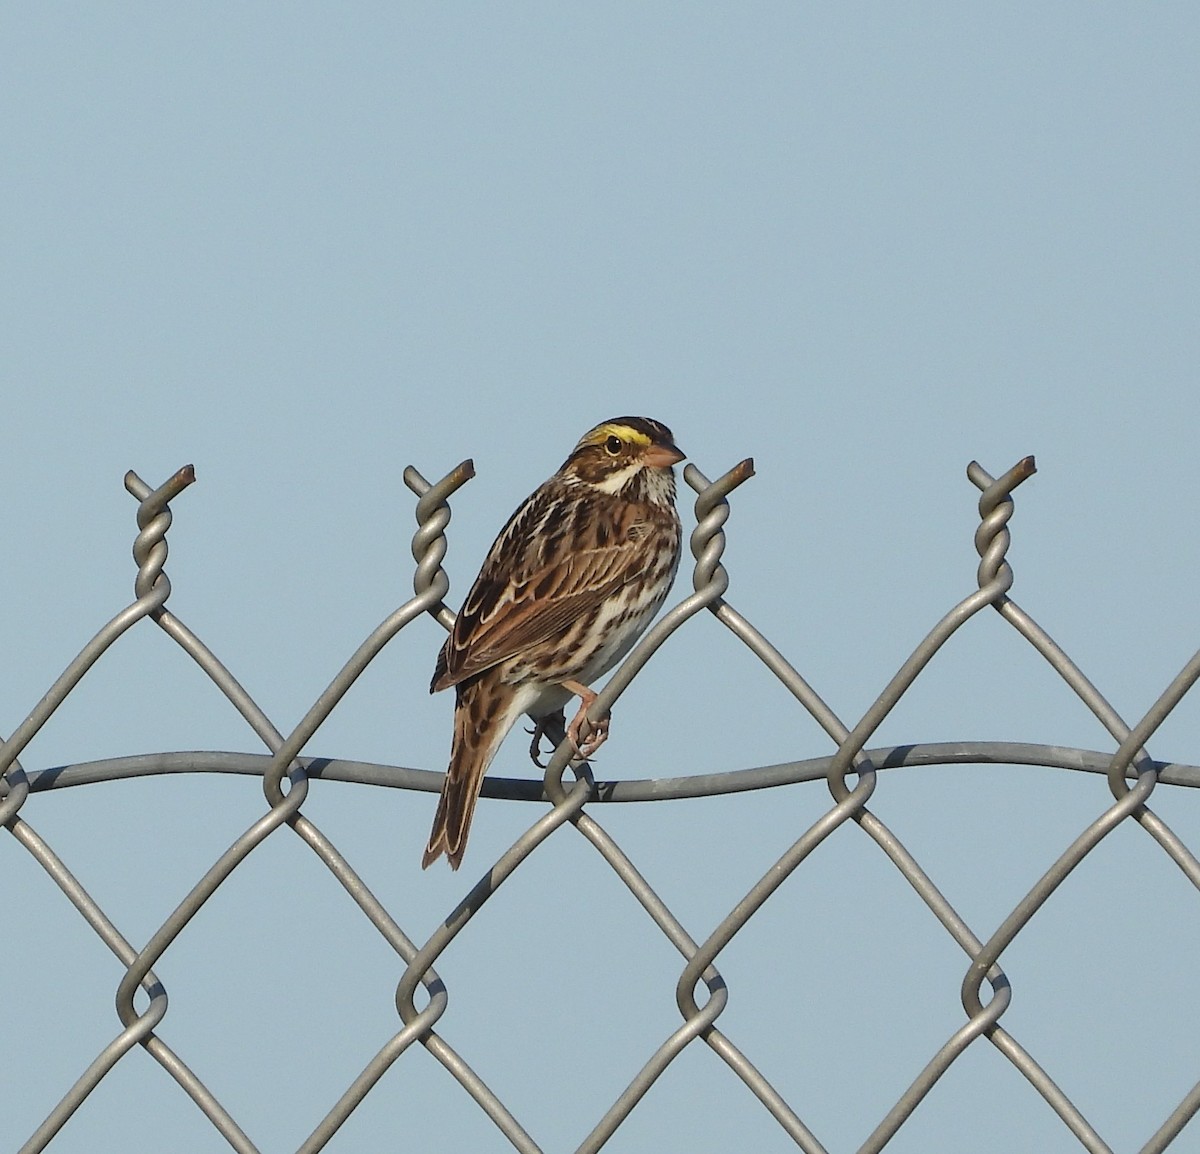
{"x":484,"y":712}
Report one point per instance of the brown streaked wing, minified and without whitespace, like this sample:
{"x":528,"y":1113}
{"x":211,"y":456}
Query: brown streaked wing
{"x":500,"y":619}
{"x":501,"y":567}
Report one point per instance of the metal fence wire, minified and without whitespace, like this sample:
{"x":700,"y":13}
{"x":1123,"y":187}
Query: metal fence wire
{"x":850,"y":774}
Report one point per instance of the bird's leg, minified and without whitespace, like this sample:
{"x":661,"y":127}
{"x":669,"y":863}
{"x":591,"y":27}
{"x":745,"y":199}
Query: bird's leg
{"x":586,"y":736}
{"x":541,"y":725}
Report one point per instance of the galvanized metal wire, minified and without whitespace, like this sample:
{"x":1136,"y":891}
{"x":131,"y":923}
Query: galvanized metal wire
{"x":850,"y":772}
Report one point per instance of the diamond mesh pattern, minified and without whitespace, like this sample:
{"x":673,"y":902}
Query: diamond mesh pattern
{"x":850,"y":773}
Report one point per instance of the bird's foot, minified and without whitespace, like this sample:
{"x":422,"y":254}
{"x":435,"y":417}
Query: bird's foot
{"x":540,"y":730}
{"x":586,"y":736}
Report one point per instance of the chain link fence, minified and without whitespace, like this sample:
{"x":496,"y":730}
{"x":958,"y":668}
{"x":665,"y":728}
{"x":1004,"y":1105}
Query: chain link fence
{"x":849,"y":773}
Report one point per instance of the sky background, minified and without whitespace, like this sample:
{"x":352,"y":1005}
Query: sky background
{"x":302,"y":246}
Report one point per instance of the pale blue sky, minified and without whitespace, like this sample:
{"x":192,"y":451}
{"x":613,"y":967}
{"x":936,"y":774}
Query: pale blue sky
{"x":305,"y":245}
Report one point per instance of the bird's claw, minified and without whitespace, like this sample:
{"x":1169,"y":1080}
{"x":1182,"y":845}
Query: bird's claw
{"x":539,"y":731}
{"x":535,"y":746}
{"x":587,"y":736}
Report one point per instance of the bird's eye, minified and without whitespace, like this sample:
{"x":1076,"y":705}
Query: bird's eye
{"x":612,"y":446}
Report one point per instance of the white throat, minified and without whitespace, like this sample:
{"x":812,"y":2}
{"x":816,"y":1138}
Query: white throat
{"x":614,"y":483}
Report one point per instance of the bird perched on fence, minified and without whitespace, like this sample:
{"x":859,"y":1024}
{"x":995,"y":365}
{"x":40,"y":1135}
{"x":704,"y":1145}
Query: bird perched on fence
{"x":571,"y":583}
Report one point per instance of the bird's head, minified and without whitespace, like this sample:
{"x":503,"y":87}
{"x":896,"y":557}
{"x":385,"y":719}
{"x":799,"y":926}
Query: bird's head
{"x":631,"y":456}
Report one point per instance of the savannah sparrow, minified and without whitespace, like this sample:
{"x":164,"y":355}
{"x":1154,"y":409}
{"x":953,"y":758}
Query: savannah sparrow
{"x":570,"y":584}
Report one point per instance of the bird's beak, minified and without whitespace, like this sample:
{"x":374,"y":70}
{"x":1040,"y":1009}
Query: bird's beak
{"x":663,"y":456}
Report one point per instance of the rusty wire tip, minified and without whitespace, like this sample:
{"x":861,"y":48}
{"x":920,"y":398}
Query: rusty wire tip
{"x":455,"y":479}
{"x":1021,"y":471}
{"x":1000,"y":487}
{"x":172,"y":487}
{"x":712,"y":493}
{"x":177,"y":482}
{"x":742,"y":471}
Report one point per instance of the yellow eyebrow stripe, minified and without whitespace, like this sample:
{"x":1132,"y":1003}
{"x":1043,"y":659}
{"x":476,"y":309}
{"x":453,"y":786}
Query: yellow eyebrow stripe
{"x":625,"y":432}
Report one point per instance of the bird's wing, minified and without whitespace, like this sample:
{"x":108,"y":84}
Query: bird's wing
{"x":533,"y":586}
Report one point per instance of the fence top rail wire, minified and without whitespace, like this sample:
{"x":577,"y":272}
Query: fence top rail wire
{"x":850,"y":771}
{"x":626,"y":790}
